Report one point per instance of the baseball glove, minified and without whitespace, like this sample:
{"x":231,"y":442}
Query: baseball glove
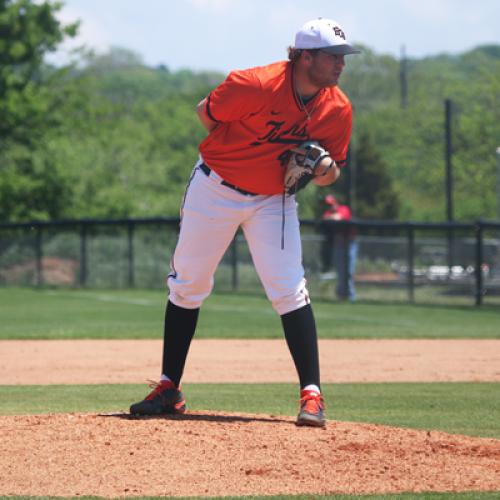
{"x":301,"y":164}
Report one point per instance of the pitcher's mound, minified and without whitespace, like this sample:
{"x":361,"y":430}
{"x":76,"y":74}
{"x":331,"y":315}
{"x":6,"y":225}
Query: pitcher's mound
{"x":213,"y":453}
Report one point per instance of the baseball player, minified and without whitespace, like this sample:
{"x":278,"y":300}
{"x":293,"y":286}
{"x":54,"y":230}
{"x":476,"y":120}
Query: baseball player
{"x":271,"y":130}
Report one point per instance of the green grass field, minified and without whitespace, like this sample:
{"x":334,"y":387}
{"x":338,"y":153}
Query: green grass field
{"x":71,"y":314}
{"x":460,"y":408}
{"x":465,"y":408}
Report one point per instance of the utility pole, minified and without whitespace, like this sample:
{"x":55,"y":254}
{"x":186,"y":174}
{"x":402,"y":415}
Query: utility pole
{"x":449,"y":179}
{"x":448,"y":156}
{"x":403,"y":82}
{"x":498,"y":183}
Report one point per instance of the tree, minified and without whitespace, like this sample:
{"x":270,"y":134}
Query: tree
{"x":30,"y":186}
{"x":124,"y":79}
{"x":371,"y":80}
{"x":374,"y":193}
{"x":28,"y":31}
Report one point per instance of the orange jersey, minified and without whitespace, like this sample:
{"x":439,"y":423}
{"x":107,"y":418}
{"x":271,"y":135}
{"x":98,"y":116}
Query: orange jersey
{"x":259,"y":117}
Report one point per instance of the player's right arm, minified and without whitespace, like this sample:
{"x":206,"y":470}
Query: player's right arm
{"x":205,"y":120}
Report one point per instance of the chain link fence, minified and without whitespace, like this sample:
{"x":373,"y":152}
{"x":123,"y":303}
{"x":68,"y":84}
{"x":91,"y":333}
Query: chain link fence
{"x":395,"y":262}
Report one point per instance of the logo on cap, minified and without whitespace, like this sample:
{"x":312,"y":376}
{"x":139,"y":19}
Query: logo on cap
{"x":339,"y":32}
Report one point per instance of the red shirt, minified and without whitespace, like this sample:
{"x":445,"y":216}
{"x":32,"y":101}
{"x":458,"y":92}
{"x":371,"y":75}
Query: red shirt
{"x":259,"y":118}
{"x":343,"y":212}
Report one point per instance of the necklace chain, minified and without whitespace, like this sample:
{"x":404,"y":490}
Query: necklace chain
{"x":302,"y":104}
{"x":304,"y":107}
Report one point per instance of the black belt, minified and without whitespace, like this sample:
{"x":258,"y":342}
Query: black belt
{"x":206,"y":170}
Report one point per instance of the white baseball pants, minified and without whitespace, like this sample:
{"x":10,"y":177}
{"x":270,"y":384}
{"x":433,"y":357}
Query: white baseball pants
{"x":210,"y":217}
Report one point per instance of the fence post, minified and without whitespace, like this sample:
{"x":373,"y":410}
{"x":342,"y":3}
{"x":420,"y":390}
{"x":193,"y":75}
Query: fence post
{"x":479,"y":263}
{"x":411,"y":263}
{"x":39,"y":256}
{"x":234,"y":263}
{"x":130,"y":236}
{"x":83,"y":254}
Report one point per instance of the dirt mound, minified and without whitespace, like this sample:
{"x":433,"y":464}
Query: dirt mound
{"x":213,"y":453}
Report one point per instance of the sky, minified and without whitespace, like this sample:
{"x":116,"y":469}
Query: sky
{"x":222,"y":35}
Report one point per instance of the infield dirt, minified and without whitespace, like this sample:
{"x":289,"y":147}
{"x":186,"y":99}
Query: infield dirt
{"x":252,"y":361}
{"x":213,"y":453}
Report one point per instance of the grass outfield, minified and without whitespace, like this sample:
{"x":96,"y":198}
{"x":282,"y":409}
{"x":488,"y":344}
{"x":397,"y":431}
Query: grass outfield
{"x":459,"y":408}
{"x":126,"y":314}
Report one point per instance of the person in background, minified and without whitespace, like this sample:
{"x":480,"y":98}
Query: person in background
{"x":345,"y":248}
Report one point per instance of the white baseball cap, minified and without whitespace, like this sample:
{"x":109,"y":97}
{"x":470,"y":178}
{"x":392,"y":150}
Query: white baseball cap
{"x":324,"y":34}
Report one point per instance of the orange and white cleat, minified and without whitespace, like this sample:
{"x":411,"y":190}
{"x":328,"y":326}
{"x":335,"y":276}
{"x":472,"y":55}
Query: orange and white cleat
{"x":312,"y":409}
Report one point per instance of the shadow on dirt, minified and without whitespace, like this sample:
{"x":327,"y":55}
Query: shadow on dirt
{"x":206,"y":417}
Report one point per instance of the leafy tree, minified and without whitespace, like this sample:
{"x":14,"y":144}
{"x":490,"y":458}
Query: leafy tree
{"x":130,"y":137}
{"x":115,"y":58}
{"x":123,"y":78}
{"x":375,"y":197}
{"x":28,"y":31}
{"x":371,"y":80}
{"x":30,"y":185}
{"x":126,"y":159}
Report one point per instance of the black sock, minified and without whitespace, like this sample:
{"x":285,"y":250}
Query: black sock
{"x":180,"y":325}
{"x":301,"y":337}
